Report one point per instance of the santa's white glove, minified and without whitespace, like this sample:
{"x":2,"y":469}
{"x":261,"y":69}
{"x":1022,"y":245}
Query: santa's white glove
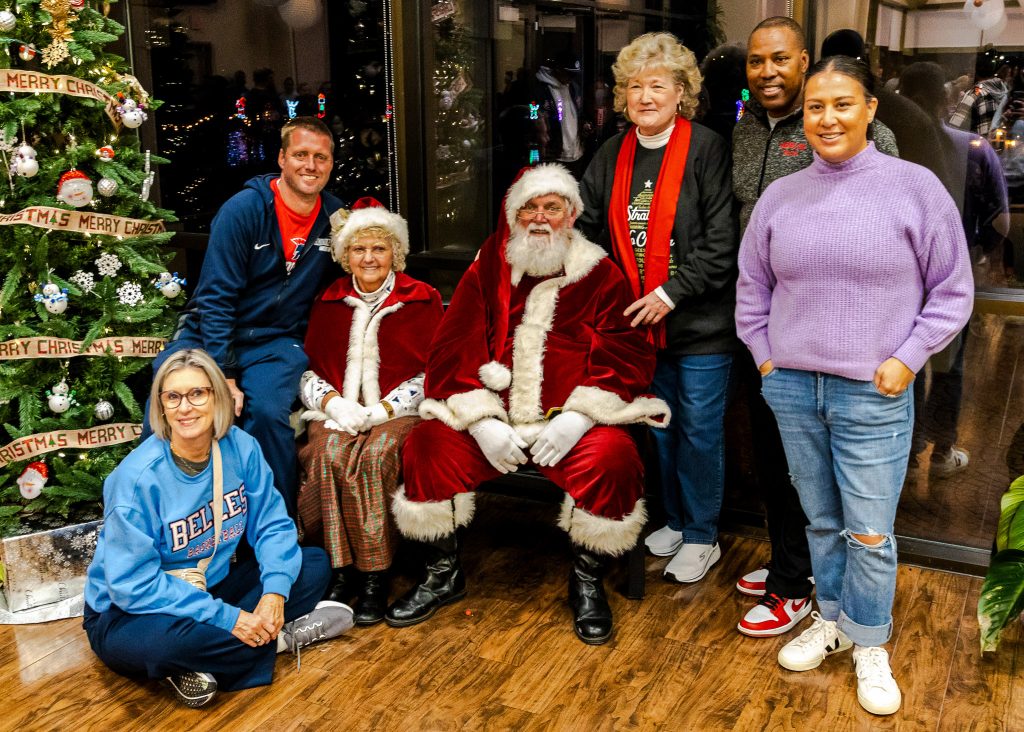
{"x":559,"y":436}
{"x":349,"y":414}
{"x":375,"y":415}
{"x":499,"y":443}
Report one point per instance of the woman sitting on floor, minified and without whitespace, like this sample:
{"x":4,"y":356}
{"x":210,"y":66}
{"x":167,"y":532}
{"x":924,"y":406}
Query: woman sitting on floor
{"x":162,"y":598}
{"x":367,"y":343}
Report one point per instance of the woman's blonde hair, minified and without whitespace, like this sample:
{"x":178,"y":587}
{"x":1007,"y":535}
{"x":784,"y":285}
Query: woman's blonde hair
{"x":379,"y":233}
{"x":192,"y":358}
{"x":658,"y":50}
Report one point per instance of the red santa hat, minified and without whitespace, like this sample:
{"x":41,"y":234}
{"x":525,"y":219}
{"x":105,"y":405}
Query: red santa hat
{"x":368,"y":212}
{"x":540,"y":181}
{"x":71,"y":175}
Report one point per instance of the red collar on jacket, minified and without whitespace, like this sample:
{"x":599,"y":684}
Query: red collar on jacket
{"x":406,"y":289}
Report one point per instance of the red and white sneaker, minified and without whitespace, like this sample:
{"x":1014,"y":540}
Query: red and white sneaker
{"x":752,"y":583}
{"x":774,"y":615}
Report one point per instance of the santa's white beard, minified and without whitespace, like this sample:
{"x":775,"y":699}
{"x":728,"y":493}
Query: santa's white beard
{"x":537,"y":250}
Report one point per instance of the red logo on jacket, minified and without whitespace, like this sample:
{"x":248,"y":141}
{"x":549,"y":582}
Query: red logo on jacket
{"x":791,"y":149}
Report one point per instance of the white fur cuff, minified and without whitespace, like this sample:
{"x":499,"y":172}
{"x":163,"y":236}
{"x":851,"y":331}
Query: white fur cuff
{"x":600,"y":534}
{"x":459,"y":411}
{"x":604,"y":407}
{"x":430,"y":520}
{"x":495,"y":376}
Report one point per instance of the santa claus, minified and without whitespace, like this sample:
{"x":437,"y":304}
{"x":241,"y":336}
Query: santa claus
{"x":534,"y":361}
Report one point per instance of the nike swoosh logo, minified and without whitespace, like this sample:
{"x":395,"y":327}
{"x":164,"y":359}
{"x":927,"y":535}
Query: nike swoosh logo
{"x":798,"y":606}
{"x":261,"y":246}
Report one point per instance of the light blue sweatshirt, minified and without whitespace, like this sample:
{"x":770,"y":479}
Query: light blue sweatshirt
{"x":158,"y":518}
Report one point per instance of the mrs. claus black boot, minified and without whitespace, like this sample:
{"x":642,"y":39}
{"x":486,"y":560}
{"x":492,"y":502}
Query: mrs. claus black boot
{"x":443,"y":583}
{"x":373,"y":598}
{"x":592,"y":616}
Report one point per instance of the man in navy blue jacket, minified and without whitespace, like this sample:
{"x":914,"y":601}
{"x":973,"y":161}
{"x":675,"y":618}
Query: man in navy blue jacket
{"x":269,"y":255}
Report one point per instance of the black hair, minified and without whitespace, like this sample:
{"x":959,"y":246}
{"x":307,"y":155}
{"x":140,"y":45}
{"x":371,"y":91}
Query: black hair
{"x":844,"y":42}
{"x":781,"y":21}
{"x":852,"y":67}
{"x":924,"y":83}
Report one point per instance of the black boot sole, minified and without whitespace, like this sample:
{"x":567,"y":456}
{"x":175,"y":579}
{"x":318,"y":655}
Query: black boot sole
{"x":593,"y":641}
{"x":428,"y":616}
{"x":366,"y":623}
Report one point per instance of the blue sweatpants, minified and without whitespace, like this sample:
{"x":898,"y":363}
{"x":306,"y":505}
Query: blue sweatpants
{"x":269,"y":375}
{"x":160,"y":645}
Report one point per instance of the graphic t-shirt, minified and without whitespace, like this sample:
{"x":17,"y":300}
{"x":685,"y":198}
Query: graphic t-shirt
{"x":646,"y":167}
{"x":295,"y":227}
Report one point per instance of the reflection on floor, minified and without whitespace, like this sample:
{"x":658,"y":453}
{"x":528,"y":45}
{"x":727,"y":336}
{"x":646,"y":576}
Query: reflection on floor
{"x":505,"y":658}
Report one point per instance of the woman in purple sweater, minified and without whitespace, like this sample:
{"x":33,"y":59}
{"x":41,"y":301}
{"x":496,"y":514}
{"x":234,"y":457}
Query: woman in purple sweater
{"x":852,"y":273}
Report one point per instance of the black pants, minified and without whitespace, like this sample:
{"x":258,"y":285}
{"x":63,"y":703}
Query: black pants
{"x":787,"y":524}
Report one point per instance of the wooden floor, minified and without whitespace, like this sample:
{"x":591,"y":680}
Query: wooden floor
{"x":506,"y":658}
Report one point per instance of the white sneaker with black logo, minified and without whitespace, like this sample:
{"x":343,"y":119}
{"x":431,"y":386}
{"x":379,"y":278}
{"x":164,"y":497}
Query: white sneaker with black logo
{"x":810,"y":648}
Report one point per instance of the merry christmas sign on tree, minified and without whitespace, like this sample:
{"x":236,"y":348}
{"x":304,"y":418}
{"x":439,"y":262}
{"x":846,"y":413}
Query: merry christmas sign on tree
{"x":86,"y":300}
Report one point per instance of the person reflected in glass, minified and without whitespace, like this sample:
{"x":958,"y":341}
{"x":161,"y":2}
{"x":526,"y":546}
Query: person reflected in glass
{"x":659,"y":197}
{"x":367,"y":343}
{"x":212,"y":624}
{"x":853,"y":272}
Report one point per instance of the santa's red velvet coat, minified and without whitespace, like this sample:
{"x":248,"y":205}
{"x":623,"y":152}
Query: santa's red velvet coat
{"x":381,"y":350}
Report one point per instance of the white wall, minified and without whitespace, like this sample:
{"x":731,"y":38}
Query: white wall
{"x":952,"y":29}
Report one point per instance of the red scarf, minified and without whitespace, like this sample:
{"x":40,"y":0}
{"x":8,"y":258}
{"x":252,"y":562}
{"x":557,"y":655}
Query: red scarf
{"x":660,"y":221}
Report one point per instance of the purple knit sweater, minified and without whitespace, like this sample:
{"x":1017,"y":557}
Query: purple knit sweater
{"x":846,"y":264}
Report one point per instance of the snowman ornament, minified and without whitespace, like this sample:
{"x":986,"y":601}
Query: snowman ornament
{"x":25,"y":163}
{"x":32,"y":480}
{"x":53,"y":298}
{"x":132,"y":115}
{"x":169,"y":284}
{"x":75,"y":189}
{"x":60,"y":398}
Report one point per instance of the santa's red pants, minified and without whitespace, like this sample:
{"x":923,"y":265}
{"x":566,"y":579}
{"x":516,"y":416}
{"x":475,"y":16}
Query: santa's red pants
{"x":603,"y":472}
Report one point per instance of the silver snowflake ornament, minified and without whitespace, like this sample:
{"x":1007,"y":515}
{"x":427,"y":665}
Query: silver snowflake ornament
{"x":85,"y":280}
{"x":129,"y":293}
{"x":108,"y":264}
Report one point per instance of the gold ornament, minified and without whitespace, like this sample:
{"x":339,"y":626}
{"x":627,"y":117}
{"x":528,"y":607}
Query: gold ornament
{"x":55,"y":53}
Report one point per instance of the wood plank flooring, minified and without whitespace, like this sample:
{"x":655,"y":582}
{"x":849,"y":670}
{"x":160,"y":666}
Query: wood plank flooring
{"x":506,"y":658}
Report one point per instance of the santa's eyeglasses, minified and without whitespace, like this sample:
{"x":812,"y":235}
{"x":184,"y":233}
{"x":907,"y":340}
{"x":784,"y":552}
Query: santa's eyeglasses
{"x":197,"y":397}
{"x":551,"y":211}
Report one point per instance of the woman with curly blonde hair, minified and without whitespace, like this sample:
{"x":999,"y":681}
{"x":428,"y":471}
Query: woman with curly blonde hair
{"x":659,"y":197}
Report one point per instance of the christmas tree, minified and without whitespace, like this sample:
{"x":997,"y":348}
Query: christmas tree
{"x":85,"y":297}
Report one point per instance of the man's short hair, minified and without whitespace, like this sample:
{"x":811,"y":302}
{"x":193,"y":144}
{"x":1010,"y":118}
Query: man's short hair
{"x":310,"y":124}
{"x":781,"y":21}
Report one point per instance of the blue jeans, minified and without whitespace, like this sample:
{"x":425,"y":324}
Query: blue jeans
{"x":847,"y":447}
{"x":691,"y":450}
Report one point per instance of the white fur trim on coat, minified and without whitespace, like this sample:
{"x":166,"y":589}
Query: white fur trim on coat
{"x":540,"y":181}
{"x":604,"y":407}
{"x":495,"y":376}
{"x":600,"y":534}
{"x":364,"y":218}
{"x":362,"y":360}
{"x":430,"y":520}
{"x":459,"y":411}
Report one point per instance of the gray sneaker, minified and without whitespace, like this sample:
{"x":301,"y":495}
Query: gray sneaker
{"x":328,"y":620}
{"x":193,"y":688}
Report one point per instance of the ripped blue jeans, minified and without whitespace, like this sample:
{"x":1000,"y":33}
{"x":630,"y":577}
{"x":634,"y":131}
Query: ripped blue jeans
{"x":847,"y":446}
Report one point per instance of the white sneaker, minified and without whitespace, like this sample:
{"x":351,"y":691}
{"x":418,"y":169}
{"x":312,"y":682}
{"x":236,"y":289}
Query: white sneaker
{"x":664,"y":542}
{"x":952,"y":462}
{"x":877,"y":690}
{"x":810,"y":648}
{"x":692,"y":562}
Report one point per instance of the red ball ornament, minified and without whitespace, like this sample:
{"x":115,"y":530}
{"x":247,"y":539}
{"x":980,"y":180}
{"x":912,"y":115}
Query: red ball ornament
{"x":27,"y":52}
{"x":105,"y":153}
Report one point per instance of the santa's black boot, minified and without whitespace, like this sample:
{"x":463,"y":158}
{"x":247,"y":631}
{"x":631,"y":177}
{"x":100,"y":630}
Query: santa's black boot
{"x":592,"y":616}
{"x":443,"y":583}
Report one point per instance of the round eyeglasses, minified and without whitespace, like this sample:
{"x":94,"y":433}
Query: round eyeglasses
{"x":197,"y":397}
{"x":551,"y":211}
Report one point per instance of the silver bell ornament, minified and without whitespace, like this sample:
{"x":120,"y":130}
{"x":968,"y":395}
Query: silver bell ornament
{"x":103,"y":410}
{"x":106,"y":186}
{"x":7,"y":20}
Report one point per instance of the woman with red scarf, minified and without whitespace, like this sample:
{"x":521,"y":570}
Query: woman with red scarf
{"x":658,"y":196}
{"x":367,"y":343}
